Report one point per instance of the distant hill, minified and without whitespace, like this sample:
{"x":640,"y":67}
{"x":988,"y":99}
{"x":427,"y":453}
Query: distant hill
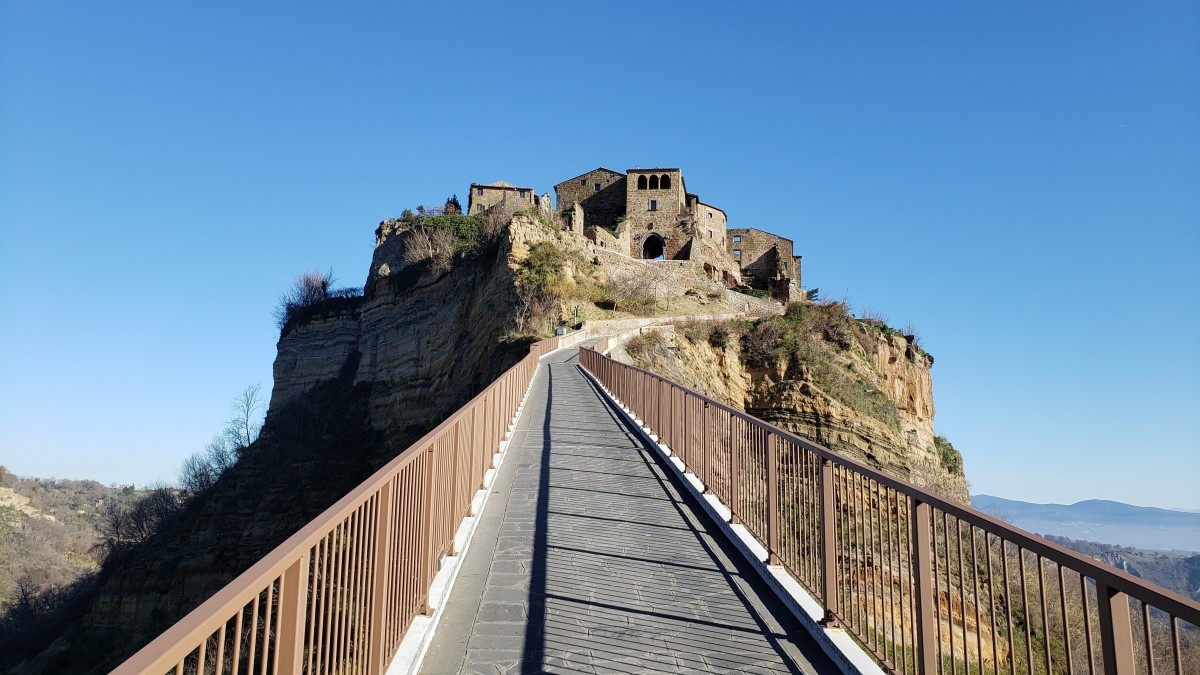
{"x":1100,"y":520}
{"x":1177,"y":572}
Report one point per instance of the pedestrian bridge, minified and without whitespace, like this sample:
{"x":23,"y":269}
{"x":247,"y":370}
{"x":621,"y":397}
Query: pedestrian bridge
{"x":583,"y":516}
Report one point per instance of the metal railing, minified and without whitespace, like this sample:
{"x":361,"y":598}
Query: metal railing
{"x":338,"y":595}
{"x":926,"y":585}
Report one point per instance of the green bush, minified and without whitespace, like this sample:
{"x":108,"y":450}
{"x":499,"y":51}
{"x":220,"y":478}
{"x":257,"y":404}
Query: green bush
{"x":695,"y":331}
{"x":950,"y":458}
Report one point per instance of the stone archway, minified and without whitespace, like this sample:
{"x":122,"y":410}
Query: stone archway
{"x":653,"y":247}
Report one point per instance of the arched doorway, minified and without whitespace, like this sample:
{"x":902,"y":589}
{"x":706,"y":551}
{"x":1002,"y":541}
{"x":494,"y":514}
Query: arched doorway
{"x":653,"y":247}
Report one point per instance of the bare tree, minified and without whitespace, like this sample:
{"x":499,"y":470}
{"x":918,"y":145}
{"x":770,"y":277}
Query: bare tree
{"x":246,"y":424}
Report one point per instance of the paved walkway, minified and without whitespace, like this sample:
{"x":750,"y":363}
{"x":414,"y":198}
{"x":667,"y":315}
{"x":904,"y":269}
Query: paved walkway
{"x":589,"y":560}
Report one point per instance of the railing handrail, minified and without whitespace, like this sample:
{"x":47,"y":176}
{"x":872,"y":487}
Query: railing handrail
{"x":1120,"y":579}
{"x":178,"y":641}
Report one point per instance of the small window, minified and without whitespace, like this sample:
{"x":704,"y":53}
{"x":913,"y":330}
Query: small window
{"x":666,"y":182}
{"x":479,"y":191}
{"x":583,"y":181}
{"x":653,"y":204}
{"x":785,"y":267}
{"x":653,"y":182}
{"x":597,"y":187}
{"x":710,"y":214}
{"x":710,"y":234}
{"x":602,"y":245}
{"x":479,"y":207}
{"x":737,"y":238}
{"x":642,"y":182}
{"x":737,"y":251}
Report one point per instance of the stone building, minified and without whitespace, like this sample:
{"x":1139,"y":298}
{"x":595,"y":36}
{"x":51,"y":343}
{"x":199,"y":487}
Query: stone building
{"x":766,"y":262}
{"x":500,"y":195}
{"x":648,"y":214}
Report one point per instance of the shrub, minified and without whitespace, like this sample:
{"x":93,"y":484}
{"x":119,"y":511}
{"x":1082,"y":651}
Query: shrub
{"x":720,"y":334}
{"x":695,"y":331}
{"x":832,"y":321}
{"x":950,"y":458}
{"x":310,"y":289}
{"x":644,"y":342}
{"x":768,"y":342}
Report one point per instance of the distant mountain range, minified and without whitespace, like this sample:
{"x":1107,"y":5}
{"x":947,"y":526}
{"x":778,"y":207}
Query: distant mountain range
{"x":1102,"y":521}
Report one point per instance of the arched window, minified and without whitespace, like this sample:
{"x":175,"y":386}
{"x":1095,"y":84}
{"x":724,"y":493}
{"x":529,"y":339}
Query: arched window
{"x":666,"y":182}
{"x":653,"y":182}
{"x":642,"y":182}
{"x":653,"y":247}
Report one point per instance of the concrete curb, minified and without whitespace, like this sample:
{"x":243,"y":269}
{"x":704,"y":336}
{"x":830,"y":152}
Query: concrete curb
{"x":837,"y":644}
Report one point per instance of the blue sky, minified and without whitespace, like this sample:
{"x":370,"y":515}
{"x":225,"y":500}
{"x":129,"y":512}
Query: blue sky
{"x":1021,"y":181}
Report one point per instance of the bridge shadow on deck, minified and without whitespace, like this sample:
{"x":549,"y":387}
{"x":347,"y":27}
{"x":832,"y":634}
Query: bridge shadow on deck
{"x":598,"y":563}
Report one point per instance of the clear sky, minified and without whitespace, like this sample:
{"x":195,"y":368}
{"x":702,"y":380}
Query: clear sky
{"x":1019,"y":180}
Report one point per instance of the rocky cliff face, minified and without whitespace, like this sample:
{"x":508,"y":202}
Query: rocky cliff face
{"x":356,"y":381}
{"x":870,"y":397}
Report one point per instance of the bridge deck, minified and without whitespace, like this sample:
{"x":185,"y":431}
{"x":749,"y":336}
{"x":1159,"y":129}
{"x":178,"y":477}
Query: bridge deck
{"x":588,"y":559}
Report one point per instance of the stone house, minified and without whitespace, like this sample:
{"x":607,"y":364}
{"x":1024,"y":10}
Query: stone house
{"x":501,"y":195}
{"x":766,"y":262}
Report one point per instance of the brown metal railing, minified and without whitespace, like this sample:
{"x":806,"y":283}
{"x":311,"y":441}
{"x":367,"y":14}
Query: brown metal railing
{"x":338,"y":596}
{"x":924,"y":584}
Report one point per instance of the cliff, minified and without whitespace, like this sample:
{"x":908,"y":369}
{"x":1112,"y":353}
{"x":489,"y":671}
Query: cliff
{"x":357,"y":379}
{"x":857,"y":388}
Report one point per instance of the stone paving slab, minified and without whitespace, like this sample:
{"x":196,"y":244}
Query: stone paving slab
{"x":589,"y":559}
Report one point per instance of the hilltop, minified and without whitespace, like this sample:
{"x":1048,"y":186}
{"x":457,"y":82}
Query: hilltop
{"x":451,"y":300}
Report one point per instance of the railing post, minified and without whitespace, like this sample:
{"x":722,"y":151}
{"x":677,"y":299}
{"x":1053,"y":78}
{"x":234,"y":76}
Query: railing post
{"x":379,"y":584}
{"x":828,"y":540}
{"x":926,"y":645}
{"x":735,"y":485}
{"x":428,"y":557}
{"x":705,"y":454}
{"x":1116,"y":631}
{"x":293,"y":600}
{"x":772,"y":500}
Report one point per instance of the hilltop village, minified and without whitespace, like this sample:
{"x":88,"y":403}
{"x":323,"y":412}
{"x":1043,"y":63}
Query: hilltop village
{"x":650,"y":215}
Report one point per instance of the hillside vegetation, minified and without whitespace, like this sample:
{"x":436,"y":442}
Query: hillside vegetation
{"x":856,"y":386}
{"x":50,"y":531}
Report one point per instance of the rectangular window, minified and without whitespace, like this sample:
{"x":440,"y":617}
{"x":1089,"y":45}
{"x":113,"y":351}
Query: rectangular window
{"x":710,"y":234}
{"x":737,"y":238}
{"x":653,"y":204}
{"x":784,"y":267}
{"x":583,"y":181}
{"x":737,"y":251}
{"x":597,"y":187}
{"x":479,"y":191}
{"x":710,"y":214}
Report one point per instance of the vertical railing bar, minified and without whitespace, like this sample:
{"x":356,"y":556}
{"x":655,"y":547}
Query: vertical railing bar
{"x":962,"y":594}
{"x":1026,"y":608}
{"x":828,"y":528}
{"x":1149,"y":642}
{"x":949,"y":593}
{"x":314,"y":595}
{"x":987,"y":544}
{"x":1045,"y":612}
{"x":1062,"y":599}
{"x":1173,"y":622}
{"x":352,"y":586}
{"x":220,"y":662}
{"x":975,"y":599}
{"x":253,"y":633}
{"x":1012,"y":645}
{"x":237,"y":641}
{"x":772,"y":500}
{"x":200,"y":661}
{"x":326,"y":604}
{"x":266,"y":640}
